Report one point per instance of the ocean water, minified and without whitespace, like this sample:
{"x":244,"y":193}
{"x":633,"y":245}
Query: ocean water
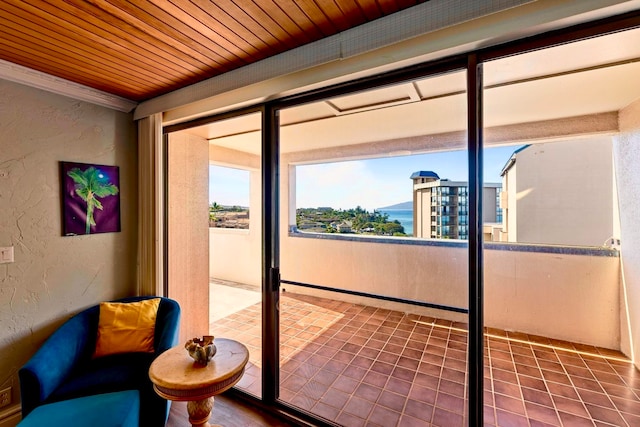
{"x":405,"y":216}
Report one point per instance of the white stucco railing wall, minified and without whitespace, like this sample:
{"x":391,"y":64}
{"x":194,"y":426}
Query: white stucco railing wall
{"x":568,"y":294}
{"x":564,"y":296}
{"x":234,"y":255}
{"x":573,"y":296}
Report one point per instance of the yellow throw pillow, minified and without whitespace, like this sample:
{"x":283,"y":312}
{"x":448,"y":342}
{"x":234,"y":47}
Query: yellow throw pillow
{"x":126,"y":327}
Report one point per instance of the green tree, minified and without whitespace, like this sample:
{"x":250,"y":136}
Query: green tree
{"x":391,"y":228}
{"x":91,"y":185}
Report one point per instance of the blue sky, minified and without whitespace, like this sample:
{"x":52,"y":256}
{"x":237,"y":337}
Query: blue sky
{"x":376,"y":183}
{"x":371,"y":184}
{"x":228,"y":186}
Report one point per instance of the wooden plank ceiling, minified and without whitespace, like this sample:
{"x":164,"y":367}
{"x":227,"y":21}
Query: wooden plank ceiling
{"x":139,"y":49}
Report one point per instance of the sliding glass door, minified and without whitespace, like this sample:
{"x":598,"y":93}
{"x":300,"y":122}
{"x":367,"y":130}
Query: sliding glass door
{"x":555,"y":304}
{"x":344,"y":234}
{"x":215,"y":232}
{"x":374,"y":210}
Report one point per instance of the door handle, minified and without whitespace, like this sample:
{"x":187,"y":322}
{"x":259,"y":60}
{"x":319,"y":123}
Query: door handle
{"x":275,"y":279}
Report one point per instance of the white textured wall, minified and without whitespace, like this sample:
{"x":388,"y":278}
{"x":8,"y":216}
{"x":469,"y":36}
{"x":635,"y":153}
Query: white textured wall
{"x":564,"y":192}
{"x":509,"y":216}
{"x":53,"y":276}
{"x":627,"y":161}
{"x":489,"y":211}
{"x":235,"y":255}
{"x":568,"y":297}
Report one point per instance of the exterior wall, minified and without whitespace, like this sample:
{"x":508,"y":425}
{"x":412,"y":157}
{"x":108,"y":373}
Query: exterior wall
{"x":563,"y":193}
{"x":188,"y":231}
{"x":489,"y":211}
{"x":236,"y":255}
{"x":54,"y":277}
{"x":509,"y":217}
{"x":627,"y":159}
{"x":422,"y":212}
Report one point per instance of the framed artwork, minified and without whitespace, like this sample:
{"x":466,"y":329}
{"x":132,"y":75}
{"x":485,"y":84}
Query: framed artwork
{"x":90,"y":198}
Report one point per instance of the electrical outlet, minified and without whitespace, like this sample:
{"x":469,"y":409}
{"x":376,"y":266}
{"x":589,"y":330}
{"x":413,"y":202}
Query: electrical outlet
{"x":6,"y":255}
{"x":5,"y":397}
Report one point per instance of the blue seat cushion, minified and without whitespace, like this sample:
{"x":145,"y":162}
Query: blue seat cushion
{"x":100,"y":410}
{"x":106,"y":374}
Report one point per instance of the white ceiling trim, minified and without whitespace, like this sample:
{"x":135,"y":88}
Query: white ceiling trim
{"x":27,"y":76}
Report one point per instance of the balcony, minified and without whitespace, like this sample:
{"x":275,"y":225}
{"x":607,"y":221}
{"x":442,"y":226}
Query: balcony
{"x":552,"y":337}
{"x":358,"y":365}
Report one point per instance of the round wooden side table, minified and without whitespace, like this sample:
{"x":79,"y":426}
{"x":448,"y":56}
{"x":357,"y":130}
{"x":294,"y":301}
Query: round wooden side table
{"x":176,"y":376}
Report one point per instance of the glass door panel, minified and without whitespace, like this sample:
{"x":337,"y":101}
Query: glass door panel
{"x":374,"y":289}
{"x":553,"y":296}
{"x":230,"y":243}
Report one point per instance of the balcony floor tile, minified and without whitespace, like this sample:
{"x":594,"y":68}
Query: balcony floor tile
{"x":365,"y":366}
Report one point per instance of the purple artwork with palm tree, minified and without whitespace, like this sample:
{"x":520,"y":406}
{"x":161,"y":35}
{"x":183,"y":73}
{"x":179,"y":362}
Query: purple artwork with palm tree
{"x":91,"y":198}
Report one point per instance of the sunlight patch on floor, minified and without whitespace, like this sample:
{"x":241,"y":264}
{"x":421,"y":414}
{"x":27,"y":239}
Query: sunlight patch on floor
{"x":226,"y":300}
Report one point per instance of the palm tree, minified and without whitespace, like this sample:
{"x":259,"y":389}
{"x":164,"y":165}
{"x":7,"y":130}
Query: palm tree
{"x":91,"y":185}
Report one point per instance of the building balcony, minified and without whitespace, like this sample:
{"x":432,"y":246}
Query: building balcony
{"x":553,"y":332}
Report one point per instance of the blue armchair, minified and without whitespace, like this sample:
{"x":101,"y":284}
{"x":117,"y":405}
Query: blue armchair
{"x":63,"y":368}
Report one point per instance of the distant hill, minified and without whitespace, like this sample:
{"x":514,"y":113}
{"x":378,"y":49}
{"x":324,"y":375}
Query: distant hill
{"x":404,"y":205}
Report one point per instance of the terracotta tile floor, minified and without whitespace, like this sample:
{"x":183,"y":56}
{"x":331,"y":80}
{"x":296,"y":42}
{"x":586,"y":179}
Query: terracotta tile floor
{"x":364,"y":366}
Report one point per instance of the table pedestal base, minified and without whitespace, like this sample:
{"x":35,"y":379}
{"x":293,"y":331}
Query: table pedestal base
{"x":200,"y":412}
{"x":177,"y":377}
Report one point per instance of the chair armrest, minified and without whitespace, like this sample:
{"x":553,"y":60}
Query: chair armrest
{"x":55,"y":359}
{"x":167,"y":325}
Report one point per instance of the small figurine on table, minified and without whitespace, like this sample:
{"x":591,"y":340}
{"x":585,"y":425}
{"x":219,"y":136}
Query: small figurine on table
{"x":201,"y":350}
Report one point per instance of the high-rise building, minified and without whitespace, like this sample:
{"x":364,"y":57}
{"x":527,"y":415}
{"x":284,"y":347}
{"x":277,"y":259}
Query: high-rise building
{"x":441,"y":207}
